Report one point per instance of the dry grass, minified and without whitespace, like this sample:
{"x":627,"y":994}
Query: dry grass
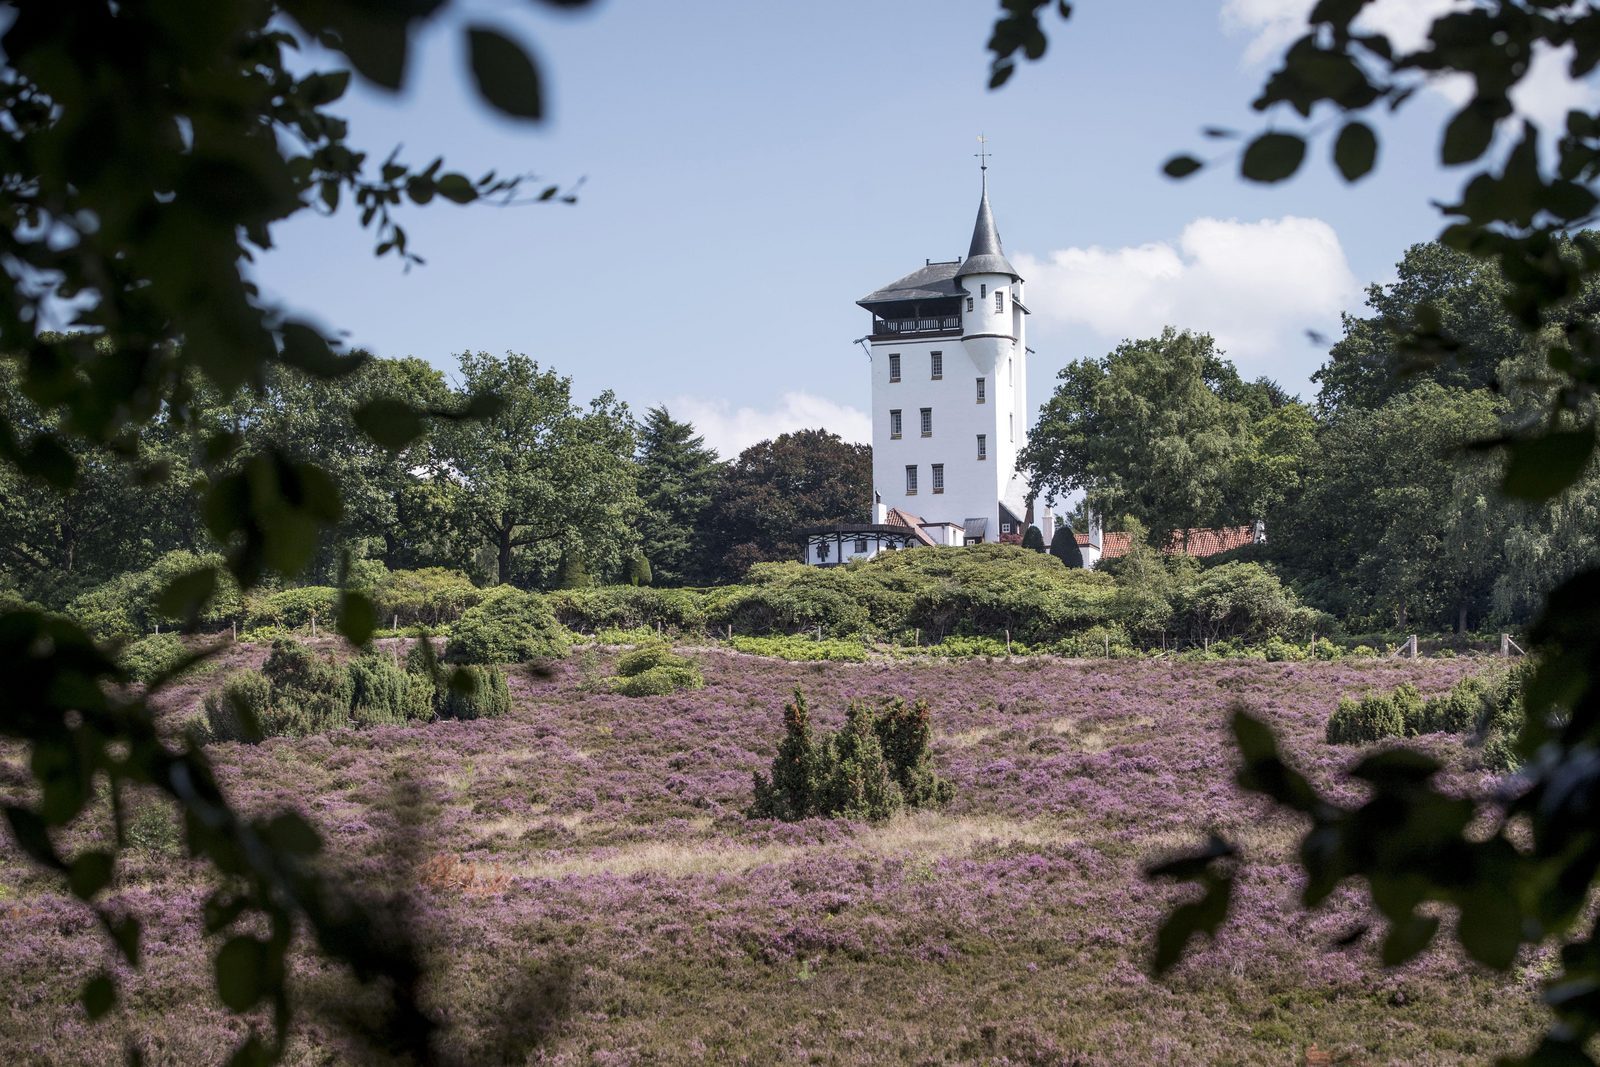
{"x":925,"y":835}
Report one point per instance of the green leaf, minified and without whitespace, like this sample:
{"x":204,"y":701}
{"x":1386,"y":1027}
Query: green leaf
{"x":49,"y":461}
{"x":1468,"y":135}
{"x":99,"y":995}
{"x":357,"y":617}
{"x":456,"y":188}
{"x":1181,"y":166}
{"x":507,"y":77}
{"x":90,"y":873}
{"x":394,"y":424}
{"x":292,"y":834}
{"x":1355,"y":151}
{"x":186,"y":595}
{"x":241,"y":973}
{"x":1408,"y":937}
{"x":1538,"y":468}
{"x":1272,"y":157}
{"x":1491,"y":926}
{"x":306,"y":349}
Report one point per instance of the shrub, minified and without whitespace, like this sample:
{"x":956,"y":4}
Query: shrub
{"x":877,"y":763}
{"x":150,"y":656}
{"x":961,"y":646}
{"x":1372,"y":718}
{"x":653,"y":671}
{"x":293,"y":609}
{"x":125,"y":607}
{"x":510,"y":626}
{"x":235,"y":711}
{"x":658,"y":682}
{"x":1033,"y":539}
{"x":154,"y":828}
{"x":1459,"y":711}
{"x":854,"y":778}
{"x":475,"y":692}
{"x":1238,"y":600}
{"x":1364,"y":652}
{"x":1501,"y":726}
{"x":803,"y":649}
{"x":639,"y":570}
{"x":626,"y":607}
{"x":429,"y":596}
{"x":384,"y":693}
{"x":1064,"y":546}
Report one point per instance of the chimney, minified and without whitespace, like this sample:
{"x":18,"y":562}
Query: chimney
{"x":1095,"y":538}
{"x":880,"y":510}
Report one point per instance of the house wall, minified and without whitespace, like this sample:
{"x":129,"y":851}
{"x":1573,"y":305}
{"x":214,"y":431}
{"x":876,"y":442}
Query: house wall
{"x":992,"y":347}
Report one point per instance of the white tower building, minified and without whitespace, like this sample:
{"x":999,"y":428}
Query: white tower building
{"x":949,"y":394}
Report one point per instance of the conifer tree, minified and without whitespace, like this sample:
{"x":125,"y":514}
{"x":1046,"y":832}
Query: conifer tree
{"x":678,"y":475}
{"x":1064,"y":546}
{"x":1033,"y":539}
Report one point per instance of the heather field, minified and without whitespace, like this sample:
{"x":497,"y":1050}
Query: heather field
{"x":589,"y":890}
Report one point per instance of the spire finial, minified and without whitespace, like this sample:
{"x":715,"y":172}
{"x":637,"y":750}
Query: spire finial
{"x":982,"y":156}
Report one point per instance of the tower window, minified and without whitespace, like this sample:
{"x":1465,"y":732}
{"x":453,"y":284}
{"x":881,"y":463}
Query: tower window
{"x":911,"y":480}
{"x":983,"y":289}
{"x":983,"y":392}
{"x":894,"y":424}
{"x":999,"y":301}
{"x":894,"y":366}
{"x":1011,"y":377}
{"x":938,"y":477}
{"x":927,"y":422}
{"x":983,"y":446}
{"x":969,"y":303}
{"x":936,"y":364}
{"x":1011,"y":426}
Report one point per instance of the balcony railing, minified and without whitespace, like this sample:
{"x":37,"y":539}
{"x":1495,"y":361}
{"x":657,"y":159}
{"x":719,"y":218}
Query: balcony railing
{"x":936,"y":324}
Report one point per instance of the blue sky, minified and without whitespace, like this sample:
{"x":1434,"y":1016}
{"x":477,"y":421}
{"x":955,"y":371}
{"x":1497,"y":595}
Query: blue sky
{"x":751,"y":169}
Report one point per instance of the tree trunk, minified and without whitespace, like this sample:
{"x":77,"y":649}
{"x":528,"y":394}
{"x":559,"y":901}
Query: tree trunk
{"x":505,"y":557}
{"x":391,"y":548}
{"x":1461,"y":619}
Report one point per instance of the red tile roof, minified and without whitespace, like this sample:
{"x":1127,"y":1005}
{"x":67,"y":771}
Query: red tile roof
{"x":897,"y":517}
{"x":1200,"y":543}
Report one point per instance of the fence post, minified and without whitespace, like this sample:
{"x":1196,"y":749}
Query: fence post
{"x":1411,"y":646}
{"x":395,"y":625}
{"x":1505,"y":645}
{"x":819,"y":631}
{"x":1008,"y":640}
{"x":1108,"y":645}
{"x":313,"y":623}
{"x":916,"y":637}
{"x":233,"y":624}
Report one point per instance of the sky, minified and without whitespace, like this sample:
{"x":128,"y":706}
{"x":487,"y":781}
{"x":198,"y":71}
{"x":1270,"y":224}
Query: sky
{"x":746,"y":171}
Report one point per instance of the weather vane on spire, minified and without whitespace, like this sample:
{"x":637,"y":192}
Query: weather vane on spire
{"x":982,"y":156}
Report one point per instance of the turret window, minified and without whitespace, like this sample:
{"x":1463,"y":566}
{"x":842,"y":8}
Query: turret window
{"x":969,"y":303}
{"x":983,"y":391}
{"x":983,"y":446}
{"x":936,"y":365}
{"x":894,"y":366}
{"x":927,"y":422}
{"x":983,"y":290}
{"x":938,"y":477}
{"x":894,"y":424}
{"x":911,"y":480}
{"x":999,"y":301}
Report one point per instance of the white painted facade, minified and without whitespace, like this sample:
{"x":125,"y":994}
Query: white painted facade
{"x":971,"y":382}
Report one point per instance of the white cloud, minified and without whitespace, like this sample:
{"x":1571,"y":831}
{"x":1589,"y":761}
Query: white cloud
{"x":1257,"y":287}
{"x":1545,"y":94}
{"x":730,"y":430}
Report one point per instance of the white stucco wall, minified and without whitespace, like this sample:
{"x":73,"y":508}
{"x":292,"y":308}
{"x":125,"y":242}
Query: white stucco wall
{"x":993,"y":346}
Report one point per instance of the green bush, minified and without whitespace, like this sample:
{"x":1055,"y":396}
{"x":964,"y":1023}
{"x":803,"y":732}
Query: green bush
{"x":510,"y":626}
{"x":293,"y":609}
{"x":382,"y":692}
{"x":876,"y":764}
{"x":626,"y":607}
{"x":1460,"y":710}
{"x":428,"y":596}
{"x":653,"y":671}
{"x":1238,"y":600}
{"x":475,"y":692}
{"x":125,"y":607}
{"x":1372,"y":718}
{"x":658,"y":682}
{"x":960,"y":646}
{"x":803,"y":649}
{"x":150,"y":656}
{"x":236,"y":710}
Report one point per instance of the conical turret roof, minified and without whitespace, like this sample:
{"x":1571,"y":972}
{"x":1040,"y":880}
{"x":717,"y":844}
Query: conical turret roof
{"x":985,"y":256}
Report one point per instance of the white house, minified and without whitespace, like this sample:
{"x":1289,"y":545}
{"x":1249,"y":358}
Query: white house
{"x":949,"y":403}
